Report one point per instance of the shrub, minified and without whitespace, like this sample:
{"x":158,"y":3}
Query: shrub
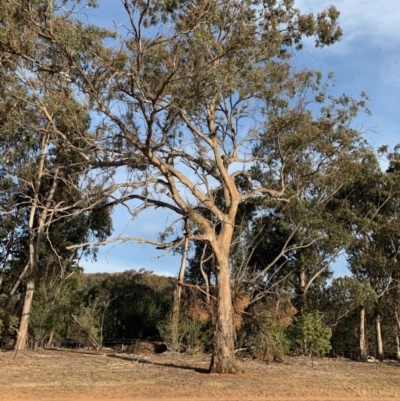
{"x":194,"y":335}
{"x":265,"y":336}
{"x":264,"y":329}
{"x":8,"y":321}
{"x":311,"y":334}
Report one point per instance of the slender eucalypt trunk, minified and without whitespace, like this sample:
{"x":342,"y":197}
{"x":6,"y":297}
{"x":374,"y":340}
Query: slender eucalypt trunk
{"x":397,"y":316}
{"x":36,"y":232}
{"x":177,"y":299}
{"x":398,"y":346}
{"x":26,"y":310}
{"x":34,"y":244}
{"x":223,"y":357}
{"x":363,"y":342}
{"x":302,"y":291}
{"x":50,"y":340}
{"x":379,"y":337}
{"x":205,"y":275}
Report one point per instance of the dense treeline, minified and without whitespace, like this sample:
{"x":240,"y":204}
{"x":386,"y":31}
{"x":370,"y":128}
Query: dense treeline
{"x":196,"y":108}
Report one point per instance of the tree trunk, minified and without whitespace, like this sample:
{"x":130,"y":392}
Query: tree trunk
{"x":223,"y":357}
{"x":379,"y":337}
{"x":177,"y":299}
{"x":50,"y":340}
{"x":363,"y":343}
{"x":302,"y":291}
{"x":204,"y":274}
{"x":397,"y":316}
{"x":5,"y":260}
{"x":175,"y":318}
{"x":36,"y":230}
{"x":26,"y":311}
{"x":36,"y":233}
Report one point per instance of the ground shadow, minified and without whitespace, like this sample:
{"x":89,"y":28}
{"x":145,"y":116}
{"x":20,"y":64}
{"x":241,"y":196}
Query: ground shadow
{"x":169,"y":365}
{"x":130,"y":358}
{"x":79,"y":351}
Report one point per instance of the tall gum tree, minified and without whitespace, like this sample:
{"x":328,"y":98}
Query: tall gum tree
{"x":190,"y":97}
{"x":25,"y":141}
{"x":41,"y":174}
{"x":373,"y":254}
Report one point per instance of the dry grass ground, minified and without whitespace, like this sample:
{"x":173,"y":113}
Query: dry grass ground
{"x":106,"y":375}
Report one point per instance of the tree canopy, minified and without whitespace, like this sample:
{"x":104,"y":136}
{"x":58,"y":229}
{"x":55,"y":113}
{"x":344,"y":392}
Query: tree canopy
{"x":201,"y":106}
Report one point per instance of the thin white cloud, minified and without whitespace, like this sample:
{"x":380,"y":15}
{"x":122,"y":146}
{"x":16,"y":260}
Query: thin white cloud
{"x":130,"y":256}
{"x":113,"y":264}
{"x":366,"y":59}
{"x":375,"y":22}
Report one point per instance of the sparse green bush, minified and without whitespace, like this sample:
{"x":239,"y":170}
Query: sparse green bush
{"x":265,"y":335}
{"x":311,"y":334}
{"x":193,"y":335}
{"x":264,"y":328}
{"x":8,"y":321}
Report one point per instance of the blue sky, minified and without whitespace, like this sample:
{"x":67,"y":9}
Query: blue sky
{"x":367,"y":59}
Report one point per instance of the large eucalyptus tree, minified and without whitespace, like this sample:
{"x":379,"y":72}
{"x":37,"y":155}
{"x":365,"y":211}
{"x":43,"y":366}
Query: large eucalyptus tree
{"x":191,"y":96}
{"x":41,"y":193}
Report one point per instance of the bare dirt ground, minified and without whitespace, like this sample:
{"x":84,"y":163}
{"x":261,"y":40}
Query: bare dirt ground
{"x":69,"y":375}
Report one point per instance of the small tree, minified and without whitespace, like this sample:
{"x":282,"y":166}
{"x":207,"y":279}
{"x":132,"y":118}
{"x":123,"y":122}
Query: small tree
{"x":311,"y":334}
{"x":88,"y":321}
{"x":264,"y":329}
{"x":348,"y":294}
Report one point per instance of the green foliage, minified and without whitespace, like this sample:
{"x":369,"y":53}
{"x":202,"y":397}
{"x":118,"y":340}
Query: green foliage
{"x":265,"y":336}
{"x":194,"y":336}
{"x":311,"y":334}
{"x":264,"y":328}
{"x":55,"y":302}
{"x":8,"y":320}
{"x":139,"y":301}
{"x":87,"y":321}
{"x":345,"y":295}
